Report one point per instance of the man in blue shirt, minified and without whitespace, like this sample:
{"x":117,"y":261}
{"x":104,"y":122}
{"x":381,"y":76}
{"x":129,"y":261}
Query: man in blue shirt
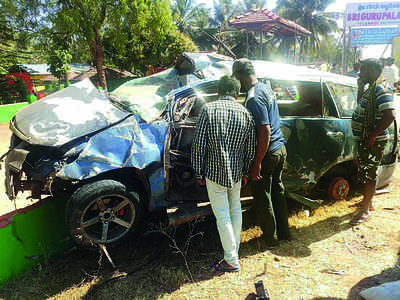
{"x":267,"y":166}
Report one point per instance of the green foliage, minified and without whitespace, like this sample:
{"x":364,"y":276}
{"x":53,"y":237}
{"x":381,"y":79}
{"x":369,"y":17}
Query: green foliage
{"x":174,"y":45}
{"x":12,"y":43}
{"x":186,"y":13}
{"x":132,"y":34}
{"x":224,"y":10}
{"x":329,"y":50}
{"x":52,"y":87}
{"x":59,"y":64}
{"x":309,"y":14}
{"x":147,"y":36}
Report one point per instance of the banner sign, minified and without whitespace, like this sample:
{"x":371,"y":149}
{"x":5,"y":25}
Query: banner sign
{"x":372,"y":14}
{"x":372,"y":35}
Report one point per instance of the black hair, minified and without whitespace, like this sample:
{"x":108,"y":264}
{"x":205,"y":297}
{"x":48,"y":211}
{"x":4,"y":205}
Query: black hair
{"x":373,"y":63}
{"x":243,"y":67}
{"x":228,"y":86}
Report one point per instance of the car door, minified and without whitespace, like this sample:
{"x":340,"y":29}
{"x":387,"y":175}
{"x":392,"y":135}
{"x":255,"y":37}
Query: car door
{"x":185,"y":108}
{"x":316,"y":138}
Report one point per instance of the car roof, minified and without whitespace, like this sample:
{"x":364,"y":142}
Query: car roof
{"x":275,"y":71}
{"x":280,"y":71}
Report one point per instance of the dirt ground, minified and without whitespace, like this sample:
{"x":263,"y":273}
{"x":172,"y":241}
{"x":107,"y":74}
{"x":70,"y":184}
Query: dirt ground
{"x":4,"y":132}
{"x":327,"y":259}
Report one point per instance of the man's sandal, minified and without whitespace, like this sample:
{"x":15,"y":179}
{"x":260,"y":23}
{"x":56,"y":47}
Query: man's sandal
{"x":360,"y":217}
{"x":224,"y":266}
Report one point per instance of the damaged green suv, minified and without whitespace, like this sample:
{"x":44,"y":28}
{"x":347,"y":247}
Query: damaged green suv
{"x":118,"y":157}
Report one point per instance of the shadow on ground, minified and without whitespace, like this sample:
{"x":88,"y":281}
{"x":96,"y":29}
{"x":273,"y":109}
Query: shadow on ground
{"x":302,"y":238}
{"x":388,"y":275}
{"x":147,"y":265}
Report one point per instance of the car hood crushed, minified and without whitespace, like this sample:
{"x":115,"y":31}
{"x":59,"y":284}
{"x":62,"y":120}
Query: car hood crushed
{"x":66,"y":115}
{"x":90,"y":133}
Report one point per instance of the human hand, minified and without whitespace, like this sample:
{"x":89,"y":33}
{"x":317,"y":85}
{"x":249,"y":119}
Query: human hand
{"x":244,"y":182}
{"x":369,"y":143}
{"x":255,"y":172}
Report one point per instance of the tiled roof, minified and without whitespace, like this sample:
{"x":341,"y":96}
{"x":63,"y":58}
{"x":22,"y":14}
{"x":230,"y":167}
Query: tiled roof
{"x":265,"y":20}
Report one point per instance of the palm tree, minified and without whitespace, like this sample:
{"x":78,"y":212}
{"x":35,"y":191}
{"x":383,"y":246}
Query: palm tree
{"x":254,"y":4}
{"x":185,"y":13}
{"x":224,"y":10}
{"x":309,"y":14}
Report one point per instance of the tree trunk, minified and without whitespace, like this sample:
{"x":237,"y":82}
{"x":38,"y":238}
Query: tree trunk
{"x":66,"y":79}
{"x":98,"y":51}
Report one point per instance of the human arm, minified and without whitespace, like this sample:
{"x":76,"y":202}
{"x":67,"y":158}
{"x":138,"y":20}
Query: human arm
{"x":250,"y":148}
{"x":263,"y":138}
{"x":387,"y":119}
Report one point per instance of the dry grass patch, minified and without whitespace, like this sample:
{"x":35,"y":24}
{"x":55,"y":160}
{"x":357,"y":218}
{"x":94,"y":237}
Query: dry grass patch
{"x":327,"y":259}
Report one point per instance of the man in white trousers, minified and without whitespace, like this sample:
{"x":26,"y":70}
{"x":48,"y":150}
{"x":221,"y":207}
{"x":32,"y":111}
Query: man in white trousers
{"x":222,"y":151}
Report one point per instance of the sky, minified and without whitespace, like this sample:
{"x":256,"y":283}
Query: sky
{"x":339,"y":6}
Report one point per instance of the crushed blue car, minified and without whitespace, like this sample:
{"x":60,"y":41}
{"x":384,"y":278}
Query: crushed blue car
{"x":122,"y":155}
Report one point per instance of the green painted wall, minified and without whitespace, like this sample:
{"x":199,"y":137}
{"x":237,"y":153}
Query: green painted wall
{"x":8,"y":111}
{"x":33,"y":235}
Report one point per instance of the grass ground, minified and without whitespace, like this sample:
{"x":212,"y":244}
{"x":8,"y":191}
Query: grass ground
{"x":327,"y":259}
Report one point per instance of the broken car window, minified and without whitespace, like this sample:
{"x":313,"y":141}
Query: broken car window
{"x":298,"y":98}
{"x":345,"y":98}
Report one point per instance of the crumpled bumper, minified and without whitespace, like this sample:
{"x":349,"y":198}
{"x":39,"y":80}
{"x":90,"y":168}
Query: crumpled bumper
{"x":13,"y":171}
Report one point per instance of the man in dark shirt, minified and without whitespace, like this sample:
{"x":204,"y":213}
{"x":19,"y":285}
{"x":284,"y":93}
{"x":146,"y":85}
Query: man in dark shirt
{"x":266,"y":170}
{"x":222,"y":150}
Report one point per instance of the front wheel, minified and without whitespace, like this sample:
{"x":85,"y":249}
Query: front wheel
{"x":103,"y":212}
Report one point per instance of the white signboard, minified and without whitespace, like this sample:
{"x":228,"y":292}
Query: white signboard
{"x":372,"y":14}
{"x":372,"y":35}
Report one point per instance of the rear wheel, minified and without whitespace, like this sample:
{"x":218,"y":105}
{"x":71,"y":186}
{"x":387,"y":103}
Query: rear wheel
{"x":103,"y":212}
{"x":339,"y":188}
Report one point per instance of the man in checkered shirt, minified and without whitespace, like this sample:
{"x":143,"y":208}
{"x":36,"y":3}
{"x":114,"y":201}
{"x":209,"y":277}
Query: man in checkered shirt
{"x":222,"y":150}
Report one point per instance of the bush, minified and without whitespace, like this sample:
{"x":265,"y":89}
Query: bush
{"x":12,"y":90}
{"x":175,"y":44}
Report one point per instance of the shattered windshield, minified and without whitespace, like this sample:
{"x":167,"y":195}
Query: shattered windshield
{"x":145,"y":96}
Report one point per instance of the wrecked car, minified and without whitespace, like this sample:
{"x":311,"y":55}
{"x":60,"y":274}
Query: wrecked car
{"x":119,"y":157}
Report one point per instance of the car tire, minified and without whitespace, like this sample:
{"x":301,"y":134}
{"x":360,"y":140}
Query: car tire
{"x":339,"y":188}
{"x":103,"y":212}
